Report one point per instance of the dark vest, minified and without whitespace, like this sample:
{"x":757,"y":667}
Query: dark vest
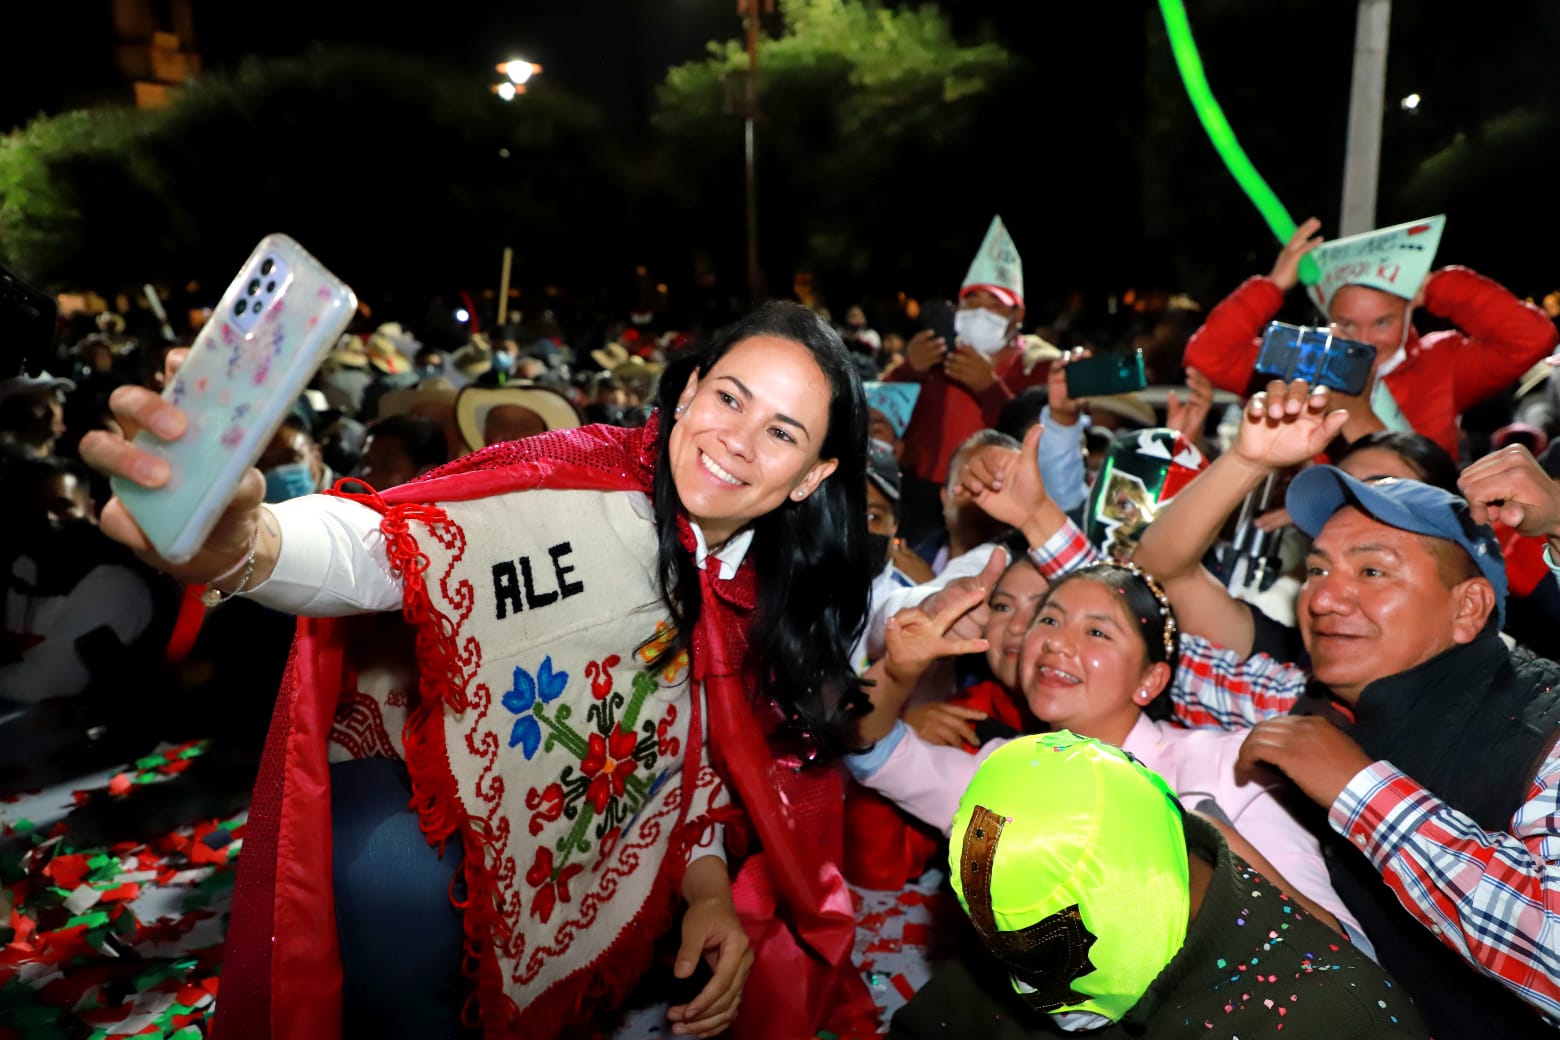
{"x":1471,"y":725}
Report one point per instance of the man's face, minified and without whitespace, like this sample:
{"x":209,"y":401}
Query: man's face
{"x":1370,"y":316}
{"x":1374,"y":604}
{"x":881,"y":516}
{"x":291,"y":445}
{"x":64,"y":498}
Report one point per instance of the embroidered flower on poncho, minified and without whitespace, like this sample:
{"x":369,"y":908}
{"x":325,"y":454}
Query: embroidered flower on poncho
{"x":523,"y":698}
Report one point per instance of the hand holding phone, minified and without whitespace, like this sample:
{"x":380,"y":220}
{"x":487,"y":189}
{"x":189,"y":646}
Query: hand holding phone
{"x":138,"y":409}
{"x":1315,"y":355}
{"x":1106,"y":375}
{"x":195,"y":449}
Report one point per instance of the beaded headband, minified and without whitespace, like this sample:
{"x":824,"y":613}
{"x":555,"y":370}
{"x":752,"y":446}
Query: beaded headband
{"x":1166,"y":612}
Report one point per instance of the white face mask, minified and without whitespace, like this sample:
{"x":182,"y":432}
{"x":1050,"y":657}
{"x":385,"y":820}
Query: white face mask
{"x":982,"y":329}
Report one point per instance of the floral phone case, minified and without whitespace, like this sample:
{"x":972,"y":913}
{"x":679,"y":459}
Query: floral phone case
{"x":249,"y":363}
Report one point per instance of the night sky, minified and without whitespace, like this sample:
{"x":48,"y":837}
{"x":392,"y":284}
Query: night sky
{"x":611,"y":51}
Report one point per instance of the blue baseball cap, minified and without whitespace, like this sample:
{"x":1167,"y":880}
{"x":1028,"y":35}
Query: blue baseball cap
{"x":1319,"y":492}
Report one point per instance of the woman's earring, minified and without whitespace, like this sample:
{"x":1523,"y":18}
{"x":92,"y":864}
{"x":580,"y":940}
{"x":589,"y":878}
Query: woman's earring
{"x":679,"y":409}
{"x":798,"y":494}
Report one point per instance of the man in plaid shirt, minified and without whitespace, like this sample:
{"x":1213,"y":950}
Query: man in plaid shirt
{"x":1443,"y":787}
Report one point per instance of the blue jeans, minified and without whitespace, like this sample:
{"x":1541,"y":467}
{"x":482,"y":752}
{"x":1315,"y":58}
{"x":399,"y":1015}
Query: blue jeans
{"x":400,"y":936}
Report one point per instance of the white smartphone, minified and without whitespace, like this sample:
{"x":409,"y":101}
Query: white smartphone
{"x":249,"y":363}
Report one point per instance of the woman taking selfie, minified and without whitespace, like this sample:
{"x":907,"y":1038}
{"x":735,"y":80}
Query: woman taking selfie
{"x":610,"y":628}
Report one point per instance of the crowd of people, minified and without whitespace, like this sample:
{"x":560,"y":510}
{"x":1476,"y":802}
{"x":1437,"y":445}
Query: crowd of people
{"x":1225,"y":708}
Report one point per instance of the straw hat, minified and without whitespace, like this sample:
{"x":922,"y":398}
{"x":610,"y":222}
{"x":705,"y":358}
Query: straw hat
{"x":610,"y":356}
{"x":1130,"y":407}
{"x":474,"y":404}
{"x":473,"y":359}
{"x":390,"y":349}
{"x":431,"y":392}
{"x":348,"y":352}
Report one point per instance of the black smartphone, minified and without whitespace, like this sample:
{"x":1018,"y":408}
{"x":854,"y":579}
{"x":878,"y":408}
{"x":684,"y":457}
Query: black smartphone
{"x":1106,"y":375}
{"x":27,"y":320}
{"x":937,"y":315}
{"x":1315,"y":355}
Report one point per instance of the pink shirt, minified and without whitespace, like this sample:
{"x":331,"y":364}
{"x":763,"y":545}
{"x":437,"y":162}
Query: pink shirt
{"x":927,"y":780}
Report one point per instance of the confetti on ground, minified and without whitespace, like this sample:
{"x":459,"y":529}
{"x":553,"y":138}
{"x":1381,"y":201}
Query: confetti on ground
{"x":108,"y":940}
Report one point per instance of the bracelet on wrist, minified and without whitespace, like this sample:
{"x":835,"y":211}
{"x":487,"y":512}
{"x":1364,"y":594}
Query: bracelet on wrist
{"x":214,"y":596}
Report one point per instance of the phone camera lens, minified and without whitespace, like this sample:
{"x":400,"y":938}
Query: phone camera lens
{"x":270,"y":286}
{"x":267,"y":265}
{"x":240,"y":307}
{"x":254,"y":286}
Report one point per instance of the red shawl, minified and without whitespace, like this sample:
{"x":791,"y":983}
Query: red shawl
{"x":282,"y":971}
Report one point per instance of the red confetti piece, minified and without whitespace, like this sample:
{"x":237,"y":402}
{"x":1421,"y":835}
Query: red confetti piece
{"x":67,"y":871}
{"x":902,"y":984}
{"x":917,"y":934}
{"x":122,"y":893}
{"x":120,"y":784}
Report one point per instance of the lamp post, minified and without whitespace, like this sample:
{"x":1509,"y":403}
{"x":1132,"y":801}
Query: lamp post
{"x":750,"y":11}
{"x":517,"y":73}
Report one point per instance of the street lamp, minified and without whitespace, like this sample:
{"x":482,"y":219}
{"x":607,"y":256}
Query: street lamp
{"x":517,"y":72}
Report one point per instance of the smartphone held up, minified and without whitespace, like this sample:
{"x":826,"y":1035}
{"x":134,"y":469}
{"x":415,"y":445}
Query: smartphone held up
{"x":273,"y":327}
{"x":1106,"y":375}
{"x":1292,"y":352}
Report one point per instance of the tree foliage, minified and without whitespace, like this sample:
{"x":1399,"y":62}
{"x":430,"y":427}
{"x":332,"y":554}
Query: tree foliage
{"x":869,"y":118}
{"x":396,"y":173}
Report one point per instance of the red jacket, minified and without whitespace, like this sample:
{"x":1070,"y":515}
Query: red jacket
{"x":947,"y":413}
{"x":1497,"y":338}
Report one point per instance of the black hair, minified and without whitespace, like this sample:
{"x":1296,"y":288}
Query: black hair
{"x":1146,"y":601}
{"x":421,"y":438}
{"x":1424,"y":456}
{"x":1023,"y":411}
{"x":810,"y":557}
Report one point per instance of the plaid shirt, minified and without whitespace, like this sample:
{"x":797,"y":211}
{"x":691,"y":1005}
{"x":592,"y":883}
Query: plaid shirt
{"x":1493,"y":897}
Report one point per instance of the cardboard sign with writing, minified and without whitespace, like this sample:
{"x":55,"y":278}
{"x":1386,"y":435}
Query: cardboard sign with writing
{"x":1394,"y":260}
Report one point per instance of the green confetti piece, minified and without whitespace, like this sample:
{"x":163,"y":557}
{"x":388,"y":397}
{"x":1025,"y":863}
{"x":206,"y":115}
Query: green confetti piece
{"x":151,"y":761}
{"x":94,"y":920}
{"x":24,"y":826}
{"x":194,"y":750}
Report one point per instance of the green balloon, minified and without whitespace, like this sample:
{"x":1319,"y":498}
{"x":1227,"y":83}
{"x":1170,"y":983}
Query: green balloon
{"x":1223,"y":137}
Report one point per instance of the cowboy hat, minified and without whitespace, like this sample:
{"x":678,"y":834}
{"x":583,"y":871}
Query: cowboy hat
{"x":610,"y":356}
{"x":433,"y":390}
{"x":348,"y":352}
{"x":391,"y":350}
{"x":474,"y":404}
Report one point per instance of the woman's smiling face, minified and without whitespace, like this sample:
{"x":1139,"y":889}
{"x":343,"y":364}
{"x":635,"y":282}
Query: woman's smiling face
{"x":749,"y":435}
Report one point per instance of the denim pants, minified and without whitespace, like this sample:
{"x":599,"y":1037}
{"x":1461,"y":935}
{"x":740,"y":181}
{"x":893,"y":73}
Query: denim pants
{"x":400,"y":935}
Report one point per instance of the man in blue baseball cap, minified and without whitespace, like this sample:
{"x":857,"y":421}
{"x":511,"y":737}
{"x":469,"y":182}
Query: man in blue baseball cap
{"x":1429,"y":744}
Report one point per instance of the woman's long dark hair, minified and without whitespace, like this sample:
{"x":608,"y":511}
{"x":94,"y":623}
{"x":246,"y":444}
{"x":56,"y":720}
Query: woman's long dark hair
{"x":1153,"y":613}
{"x":810,"y":557}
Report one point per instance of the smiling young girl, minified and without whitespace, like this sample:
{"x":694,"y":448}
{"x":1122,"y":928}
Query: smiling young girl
{"x":1102,"y":649}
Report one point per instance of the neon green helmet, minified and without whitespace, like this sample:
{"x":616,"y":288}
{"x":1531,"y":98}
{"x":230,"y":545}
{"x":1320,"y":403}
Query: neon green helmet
{"x":1070,"y":858}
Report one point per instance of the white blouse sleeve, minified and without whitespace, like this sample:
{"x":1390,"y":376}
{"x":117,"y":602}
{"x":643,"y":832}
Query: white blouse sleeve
{"x":332,"y":560}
